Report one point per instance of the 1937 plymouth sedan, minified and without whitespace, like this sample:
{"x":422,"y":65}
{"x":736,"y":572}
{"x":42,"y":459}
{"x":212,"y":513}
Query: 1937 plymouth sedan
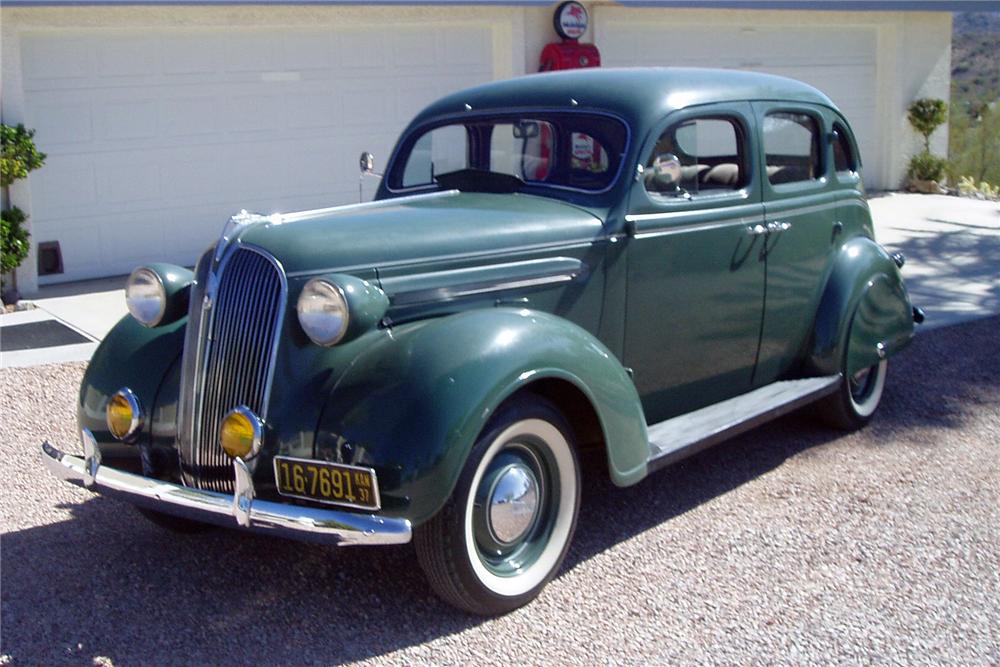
{"x":640,"y":261}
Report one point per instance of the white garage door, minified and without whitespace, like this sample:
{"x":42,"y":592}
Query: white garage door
{"x":838,"y":61}
{"x":155,"y":138}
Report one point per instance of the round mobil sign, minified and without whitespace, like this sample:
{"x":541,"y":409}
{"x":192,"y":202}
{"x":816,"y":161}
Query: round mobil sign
{"x":570,"y":20}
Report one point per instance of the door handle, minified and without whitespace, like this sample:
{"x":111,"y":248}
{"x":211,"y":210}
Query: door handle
{"x":757,"y":230}
{"x":777,"y":226}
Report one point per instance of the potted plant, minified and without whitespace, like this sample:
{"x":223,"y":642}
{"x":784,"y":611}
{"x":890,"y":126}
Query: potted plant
{"x":19,"y":156}
{"x":926,"y":169}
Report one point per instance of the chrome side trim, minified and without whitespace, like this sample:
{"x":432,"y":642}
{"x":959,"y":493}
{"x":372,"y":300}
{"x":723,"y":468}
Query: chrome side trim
{"x":695,"y":227}
{"x":556,"y":245}
{"x":741,"y":209}
{"x":241,"y":510}
{"x":446,"y":285}
{"x":772,"y":209}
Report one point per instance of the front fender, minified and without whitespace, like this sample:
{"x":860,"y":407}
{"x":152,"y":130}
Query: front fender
{"x":414,"y":402}
{"x":132,"y":356}
{"x":865,"y":308}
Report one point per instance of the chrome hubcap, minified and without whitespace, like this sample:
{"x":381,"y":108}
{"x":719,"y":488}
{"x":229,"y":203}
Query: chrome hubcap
{"x":513,"y":504}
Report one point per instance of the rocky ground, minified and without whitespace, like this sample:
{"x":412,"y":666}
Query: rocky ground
{"x":793,"y":544}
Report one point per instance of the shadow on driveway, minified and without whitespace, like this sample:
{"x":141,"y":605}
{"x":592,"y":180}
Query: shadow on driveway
{"x":108,"y":583}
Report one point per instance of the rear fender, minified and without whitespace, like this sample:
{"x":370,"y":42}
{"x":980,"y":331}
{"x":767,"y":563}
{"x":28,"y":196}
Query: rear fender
{"x":865,"y":311}
{"x":414,"y":402}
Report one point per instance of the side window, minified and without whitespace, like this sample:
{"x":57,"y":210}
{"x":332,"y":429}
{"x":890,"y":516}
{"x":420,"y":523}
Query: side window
{"x":695,"y":156}
{"x":439,"y":151}
{"x":791,"y":146}
{"x":843,"y":156}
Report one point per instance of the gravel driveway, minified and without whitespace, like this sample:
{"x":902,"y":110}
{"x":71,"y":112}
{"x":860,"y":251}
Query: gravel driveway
{"x":791,"y":544}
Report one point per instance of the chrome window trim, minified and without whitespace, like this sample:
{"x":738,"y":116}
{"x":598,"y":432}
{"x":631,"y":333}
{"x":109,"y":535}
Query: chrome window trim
{"x":445,"y":119}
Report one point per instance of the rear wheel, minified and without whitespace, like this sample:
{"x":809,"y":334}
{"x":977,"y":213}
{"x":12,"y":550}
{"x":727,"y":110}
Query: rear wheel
{"x":507,"y":527}
{"x":857,"y":398}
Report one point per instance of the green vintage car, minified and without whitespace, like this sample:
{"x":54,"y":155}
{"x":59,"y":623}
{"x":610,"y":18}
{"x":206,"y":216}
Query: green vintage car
{"x":640,"y":262}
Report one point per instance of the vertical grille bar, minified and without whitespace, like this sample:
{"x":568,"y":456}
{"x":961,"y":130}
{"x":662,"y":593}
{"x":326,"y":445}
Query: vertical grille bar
{"x":237,"y":346}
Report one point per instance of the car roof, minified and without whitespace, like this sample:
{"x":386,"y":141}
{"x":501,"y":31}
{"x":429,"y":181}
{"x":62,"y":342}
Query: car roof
{"x":641,"y":95}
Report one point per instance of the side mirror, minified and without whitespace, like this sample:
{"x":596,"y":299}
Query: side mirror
{"x":664,"y":175}
{"x":367,"y":163}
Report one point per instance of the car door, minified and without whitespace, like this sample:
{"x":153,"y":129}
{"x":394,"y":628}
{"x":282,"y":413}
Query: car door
{"x":695,"y":278}
{"x":800,"y":204}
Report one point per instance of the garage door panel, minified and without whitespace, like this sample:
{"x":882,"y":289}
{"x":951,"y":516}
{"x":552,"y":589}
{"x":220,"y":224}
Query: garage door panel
{"x":193,"y":117}
{"x":128,"y":119}
{"x":310,"y":51}
{"x":61,"y":120}
{"x":66,"y":186}
{"x":126,"y":56}
{"x":413,"y":50}
{"x":131,"y":237}
{"x":313,"y":110}
{"x":468,"y":46}
{"x":361,"y":49}
{"x":131,"y":179}
{"x":194,"y":175}
{"x":189,"y":54}
{"x":252,"y":113}
{"x":252,"y":51}
{"x":53,"y":58}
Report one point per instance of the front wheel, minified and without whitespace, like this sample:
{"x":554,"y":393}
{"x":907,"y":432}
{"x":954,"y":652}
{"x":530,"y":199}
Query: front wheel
{"x":855,"y":401}
{"x":506,"y":528}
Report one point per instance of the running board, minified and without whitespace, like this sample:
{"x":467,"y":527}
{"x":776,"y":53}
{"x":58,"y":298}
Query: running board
{"x":680,"y":437}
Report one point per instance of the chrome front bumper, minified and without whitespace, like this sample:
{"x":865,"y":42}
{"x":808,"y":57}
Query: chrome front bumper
{"x":240,"y":510}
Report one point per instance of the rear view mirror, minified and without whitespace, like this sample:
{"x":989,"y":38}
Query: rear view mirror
{"x":526,"y":129}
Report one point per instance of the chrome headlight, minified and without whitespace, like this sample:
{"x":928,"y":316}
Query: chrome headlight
{"x":323,"y":312}
{"x":146,"y":297}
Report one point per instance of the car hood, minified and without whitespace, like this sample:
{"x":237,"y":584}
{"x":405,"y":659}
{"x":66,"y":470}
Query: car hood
{"x":419,"y":229}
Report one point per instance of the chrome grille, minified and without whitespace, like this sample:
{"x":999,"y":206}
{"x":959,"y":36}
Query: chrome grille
{"x":234,"y":352}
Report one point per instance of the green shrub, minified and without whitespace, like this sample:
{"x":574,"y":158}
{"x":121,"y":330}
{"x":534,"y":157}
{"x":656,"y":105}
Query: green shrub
{"x":926,"y":115}
{"x":13,"y":239}
{"x":19,"y":154}
{"x":926,"y":167}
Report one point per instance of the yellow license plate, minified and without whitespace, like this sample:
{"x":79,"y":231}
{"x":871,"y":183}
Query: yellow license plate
{"x":324,"y":482}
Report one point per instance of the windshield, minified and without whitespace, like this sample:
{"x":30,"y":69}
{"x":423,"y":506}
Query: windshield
{"x":500,"y":154}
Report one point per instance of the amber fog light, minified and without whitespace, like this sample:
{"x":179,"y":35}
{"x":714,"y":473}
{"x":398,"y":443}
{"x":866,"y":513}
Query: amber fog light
{"x":124,"y":416}
{"x":241,"y":433}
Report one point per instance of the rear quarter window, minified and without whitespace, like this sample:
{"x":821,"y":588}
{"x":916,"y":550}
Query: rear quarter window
{"x":843,"y":155}
{"x":791,"y":147}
